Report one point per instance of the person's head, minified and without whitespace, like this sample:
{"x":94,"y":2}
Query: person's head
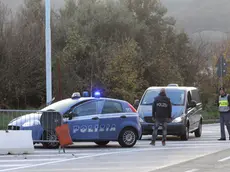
{"x":222,"y":91}
{"x":162,"y":92}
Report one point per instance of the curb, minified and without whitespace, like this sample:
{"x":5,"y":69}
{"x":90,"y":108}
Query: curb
{"x":211,"y":121}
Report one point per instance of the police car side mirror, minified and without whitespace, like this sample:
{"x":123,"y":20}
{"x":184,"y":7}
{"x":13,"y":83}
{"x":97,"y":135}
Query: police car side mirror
{"x":193,"y":104}
{"x":68,"y":115}
{"x":136,"y":103}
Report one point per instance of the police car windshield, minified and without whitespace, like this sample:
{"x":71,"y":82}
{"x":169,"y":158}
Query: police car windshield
{"x":61,"y":106}
{"x":177,"y":97}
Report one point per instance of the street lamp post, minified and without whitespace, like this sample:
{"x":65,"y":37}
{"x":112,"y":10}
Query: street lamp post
{"x":48,"y":54}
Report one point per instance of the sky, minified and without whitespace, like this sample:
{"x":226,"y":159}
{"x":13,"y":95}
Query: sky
{"x":14,"y":4}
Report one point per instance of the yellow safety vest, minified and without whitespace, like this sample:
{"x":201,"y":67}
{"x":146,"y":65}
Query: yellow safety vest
{"x":223,"y":104}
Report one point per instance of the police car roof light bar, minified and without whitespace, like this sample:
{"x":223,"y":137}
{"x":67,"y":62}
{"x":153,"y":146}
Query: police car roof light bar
{"x":76,"y":95}
{"x":97,"y":94}
{"x":173,"y":85}
{"x":85,"y":94}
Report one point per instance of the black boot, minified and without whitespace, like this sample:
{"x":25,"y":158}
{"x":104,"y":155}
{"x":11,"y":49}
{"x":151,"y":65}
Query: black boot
{"x":152,"y":143}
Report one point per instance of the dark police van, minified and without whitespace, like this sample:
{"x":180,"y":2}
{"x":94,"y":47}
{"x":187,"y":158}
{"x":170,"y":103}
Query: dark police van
{"x":186,"y":111}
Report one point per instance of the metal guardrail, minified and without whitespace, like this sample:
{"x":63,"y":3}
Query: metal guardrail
{"x":42,"y":124}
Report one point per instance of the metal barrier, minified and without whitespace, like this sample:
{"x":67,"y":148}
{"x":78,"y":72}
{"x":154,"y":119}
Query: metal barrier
{"x":42,"y":124}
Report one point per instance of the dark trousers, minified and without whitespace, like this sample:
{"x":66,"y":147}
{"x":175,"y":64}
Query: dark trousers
{"x":224,"y":120}
{"x":156,"y":128}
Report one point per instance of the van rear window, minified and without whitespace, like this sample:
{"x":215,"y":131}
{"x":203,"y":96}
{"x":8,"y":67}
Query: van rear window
{"x":177,"y":97}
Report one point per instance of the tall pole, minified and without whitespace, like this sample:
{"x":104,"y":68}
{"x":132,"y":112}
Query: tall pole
{"x":91,"y":78}
{"x":221,"y":71}
{"x":48,"y":54}
{"x":59,"y":79}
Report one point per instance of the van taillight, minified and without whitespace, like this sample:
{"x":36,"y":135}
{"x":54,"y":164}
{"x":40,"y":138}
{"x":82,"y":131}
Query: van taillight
{"x":133,"y":109}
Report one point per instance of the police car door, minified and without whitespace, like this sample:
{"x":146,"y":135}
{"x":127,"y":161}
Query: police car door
{"x":85,"y":122}
{"x":110,"y":120}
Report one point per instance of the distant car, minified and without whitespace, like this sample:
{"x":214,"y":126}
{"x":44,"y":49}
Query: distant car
{"x":92,"y":119}
{"x":186,"y":110}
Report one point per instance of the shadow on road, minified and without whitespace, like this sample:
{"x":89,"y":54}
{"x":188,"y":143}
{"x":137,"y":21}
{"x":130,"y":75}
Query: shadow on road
{"x":88,"y":146}
{"x":169,"y":138}
{"x":115,"y":145}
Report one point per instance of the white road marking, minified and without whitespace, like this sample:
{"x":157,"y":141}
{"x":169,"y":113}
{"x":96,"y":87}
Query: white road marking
{"x":93,"y":169}
{"x":190,"y":142}
{"x":201,"y":141}
{"x":116,"y":162}
{"x":31,"y":160}
{"x":43,"y":155}
{"x":184,"y":145}
{"x":13,"y":165}
{"x":75,"y":154}
{"x":193,"y":170}
{"x":179,"y":162}
{"x":157,"y":147}
{"x":109,"y":153}
{"x":56,"y":151}
{"x":224,"y":159}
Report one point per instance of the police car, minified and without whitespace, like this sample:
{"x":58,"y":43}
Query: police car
{"x":90,"y":119}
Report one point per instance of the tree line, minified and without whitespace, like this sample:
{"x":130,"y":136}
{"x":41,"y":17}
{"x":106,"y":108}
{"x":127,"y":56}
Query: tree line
{"x":118,"y":47}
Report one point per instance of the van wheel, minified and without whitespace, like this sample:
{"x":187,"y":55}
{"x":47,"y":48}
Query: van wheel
{"x":102,"y":143}
{"x":198,"y":132}
{"x":185,"y":136}
{"x":127,"y":137}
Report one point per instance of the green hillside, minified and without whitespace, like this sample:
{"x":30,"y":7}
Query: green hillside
{"x":201,"y":15}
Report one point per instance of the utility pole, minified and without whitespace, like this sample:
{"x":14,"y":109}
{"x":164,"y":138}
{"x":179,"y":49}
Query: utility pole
{"x":48,"y":54}
{"x":221,"y":69}
{"x":59,"y":79}
{"x":91,"y":78}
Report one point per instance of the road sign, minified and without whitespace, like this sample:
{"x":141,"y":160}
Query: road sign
{"x":221,"y":67}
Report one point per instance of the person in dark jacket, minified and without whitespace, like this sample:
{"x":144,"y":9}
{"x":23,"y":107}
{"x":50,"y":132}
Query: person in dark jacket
{"x":224,"y":109}
{"x":161,"y":112}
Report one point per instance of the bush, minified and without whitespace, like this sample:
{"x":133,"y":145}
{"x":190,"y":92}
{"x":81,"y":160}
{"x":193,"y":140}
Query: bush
{"x":207,"y":114}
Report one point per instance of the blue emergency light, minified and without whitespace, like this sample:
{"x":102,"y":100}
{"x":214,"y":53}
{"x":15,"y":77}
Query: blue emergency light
{"x":85,"y":94}
{"x":97,"y":94}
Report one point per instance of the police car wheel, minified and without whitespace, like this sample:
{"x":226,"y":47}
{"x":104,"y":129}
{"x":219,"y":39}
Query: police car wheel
{"x":50,"y":135}
{"x":102,"y":143}
{"x":128,"y":137}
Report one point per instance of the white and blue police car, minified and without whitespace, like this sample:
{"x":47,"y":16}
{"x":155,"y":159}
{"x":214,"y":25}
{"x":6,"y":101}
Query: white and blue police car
{"x":90,"y":119}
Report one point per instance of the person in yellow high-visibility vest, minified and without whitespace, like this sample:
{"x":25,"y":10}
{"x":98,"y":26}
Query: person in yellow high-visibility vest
{"x":224,"y":109}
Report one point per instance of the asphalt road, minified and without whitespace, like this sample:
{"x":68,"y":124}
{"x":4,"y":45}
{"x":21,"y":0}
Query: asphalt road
{"x":197,"y":154}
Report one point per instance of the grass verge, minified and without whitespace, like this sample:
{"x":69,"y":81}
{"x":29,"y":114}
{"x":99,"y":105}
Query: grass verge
{"x":6,"y":117}
{"x":210,"y":116}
